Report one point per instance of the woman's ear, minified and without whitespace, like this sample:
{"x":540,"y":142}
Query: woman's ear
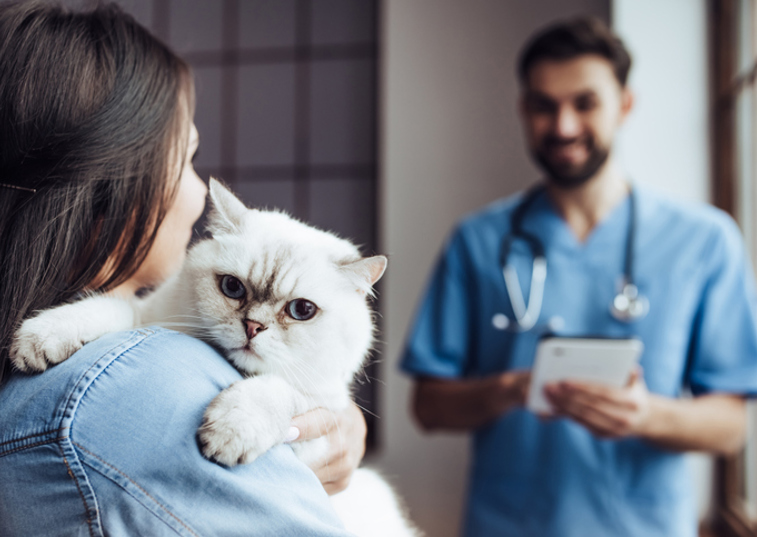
{"x":226,"y":210}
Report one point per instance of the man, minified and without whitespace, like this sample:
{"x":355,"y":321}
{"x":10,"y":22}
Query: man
{"x":609,"y":460}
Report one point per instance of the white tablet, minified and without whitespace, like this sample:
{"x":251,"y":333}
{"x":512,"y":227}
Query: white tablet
{"x":607,"y":361}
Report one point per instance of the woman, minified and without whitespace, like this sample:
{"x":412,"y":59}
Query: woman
{"x":98,"y":193}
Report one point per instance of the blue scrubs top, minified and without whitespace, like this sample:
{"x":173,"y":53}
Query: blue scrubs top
{"x":534,"y":478}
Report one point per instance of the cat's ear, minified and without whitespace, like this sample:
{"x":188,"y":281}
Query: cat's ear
{"x":227,"y":211}
{"x":365,"y":272}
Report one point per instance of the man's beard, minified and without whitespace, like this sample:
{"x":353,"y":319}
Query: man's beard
{"x":566,"y":175}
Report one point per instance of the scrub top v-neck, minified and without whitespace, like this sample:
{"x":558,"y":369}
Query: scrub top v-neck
{"x":531,"y":477}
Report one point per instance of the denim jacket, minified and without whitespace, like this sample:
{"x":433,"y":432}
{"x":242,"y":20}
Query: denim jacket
{"x":105,"y":444}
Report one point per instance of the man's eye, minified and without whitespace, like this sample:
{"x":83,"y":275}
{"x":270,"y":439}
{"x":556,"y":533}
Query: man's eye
{"x":539,"y":106}
{"x":586,"y":104}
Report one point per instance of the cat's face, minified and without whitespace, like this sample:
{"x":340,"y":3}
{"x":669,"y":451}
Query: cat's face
{"x":281,"y":297}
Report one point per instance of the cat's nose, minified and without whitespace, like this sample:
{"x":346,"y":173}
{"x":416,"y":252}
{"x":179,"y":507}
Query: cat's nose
{"x":253,"y":328}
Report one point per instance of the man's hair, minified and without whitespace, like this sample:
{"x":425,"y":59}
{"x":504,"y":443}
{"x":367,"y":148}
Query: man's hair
{"x":577,"y":37}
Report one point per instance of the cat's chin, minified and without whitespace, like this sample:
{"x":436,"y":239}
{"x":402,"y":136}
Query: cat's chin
{"x":246,"y":359}
{"x":248,"y":353}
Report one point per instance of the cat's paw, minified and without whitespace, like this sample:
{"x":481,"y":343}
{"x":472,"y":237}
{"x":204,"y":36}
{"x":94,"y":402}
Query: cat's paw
{"x":234,"y":431}
{"x":42,"y":342}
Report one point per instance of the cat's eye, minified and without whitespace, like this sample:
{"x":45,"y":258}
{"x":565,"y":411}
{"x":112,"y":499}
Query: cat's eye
{"x":300,"y":309}
{"x":232,"y":287}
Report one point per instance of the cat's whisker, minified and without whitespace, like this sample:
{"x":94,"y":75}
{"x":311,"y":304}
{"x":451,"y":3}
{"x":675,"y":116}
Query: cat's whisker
{"x":177,"y":323}
{"x":370,"y":380}
{"x":291,"y":378}
{"x":296,"y":381}
{"x":324,"y":423}
{"x":204,"y":318}
{"x":302,"y":377}
{"x":186,"y":321}
{"x":304,"y":372}
{"x":361,"y":407}
{"x":187,"y":316}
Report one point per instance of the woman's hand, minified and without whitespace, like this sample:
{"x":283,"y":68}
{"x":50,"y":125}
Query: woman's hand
{"x":345,"y":431}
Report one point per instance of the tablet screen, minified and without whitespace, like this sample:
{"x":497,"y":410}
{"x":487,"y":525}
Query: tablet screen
{"x":606,"y":361}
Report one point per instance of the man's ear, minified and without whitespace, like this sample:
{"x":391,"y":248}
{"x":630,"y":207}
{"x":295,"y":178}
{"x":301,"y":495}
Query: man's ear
{"x":627,"y":100}
{"x":226,"y":210}
{"x":365,"y":272}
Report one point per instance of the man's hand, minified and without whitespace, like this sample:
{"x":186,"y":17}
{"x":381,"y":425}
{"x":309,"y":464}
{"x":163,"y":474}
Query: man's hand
{"x":345,"y":431}
{"x":607,"y":412}
{"x":714,"y":423}
{"x":467,"y":404}
{"x":520,"y":382}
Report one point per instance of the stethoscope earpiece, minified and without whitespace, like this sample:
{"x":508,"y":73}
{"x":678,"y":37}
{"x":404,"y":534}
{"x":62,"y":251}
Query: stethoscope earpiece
{"x":500,"y":321}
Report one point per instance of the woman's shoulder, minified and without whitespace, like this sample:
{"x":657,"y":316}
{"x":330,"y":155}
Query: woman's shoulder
{"x":137,"y":365}
{"x":122,"y":415}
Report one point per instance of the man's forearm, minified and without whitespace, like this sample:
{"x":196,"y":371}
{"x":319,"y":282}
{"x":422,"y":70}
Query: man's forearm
{"x":714,"y":423}
{"x":470,"y":403}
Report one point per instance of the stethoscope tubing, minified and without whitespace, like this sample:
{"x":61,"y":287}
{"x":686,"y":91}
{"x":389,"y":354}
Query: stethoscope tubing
{"x":627,"y":306}
{"x":526,"y":315}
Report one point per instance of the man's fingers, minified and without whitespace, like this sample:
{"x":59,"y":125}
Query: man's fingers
{"x":598,"y":421}
{"x":605,"y":410}
{"x":635,"y":375}
{"x":314,"y":424}
{"x":595,"y":395}
{"x":606,"y":420}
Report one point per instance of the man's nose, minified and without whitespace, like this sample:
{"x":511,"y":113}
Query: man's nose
{"x":253,"y":328}
{"x":567,"y":123}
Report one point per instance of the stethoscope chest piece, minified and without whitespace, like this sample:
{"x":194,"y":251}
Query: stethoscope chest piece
{"x":629,"y":305}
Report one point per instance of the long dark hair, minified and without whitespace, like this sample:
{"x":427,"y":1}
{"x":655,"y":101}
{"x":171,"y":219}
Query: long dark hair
{"x":91,"y":110}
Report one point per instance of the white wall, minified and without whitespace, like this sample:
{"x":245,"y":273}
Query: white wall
{"x":666,"y":140}
{"x":451,"y":141}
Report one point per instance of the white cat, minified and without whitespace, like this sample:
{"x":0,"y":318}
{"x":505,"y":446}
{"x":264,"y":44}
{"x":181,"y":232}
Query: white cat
{"x":287,"y":305}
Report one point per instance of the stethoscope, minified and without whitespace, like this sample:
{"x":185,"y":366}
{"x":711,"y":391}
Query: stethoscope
{"x":627,"y":306}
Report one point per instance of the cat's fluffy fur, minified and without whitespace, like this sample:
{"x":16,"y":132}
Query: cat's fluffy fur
{"x":292,"y":365}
